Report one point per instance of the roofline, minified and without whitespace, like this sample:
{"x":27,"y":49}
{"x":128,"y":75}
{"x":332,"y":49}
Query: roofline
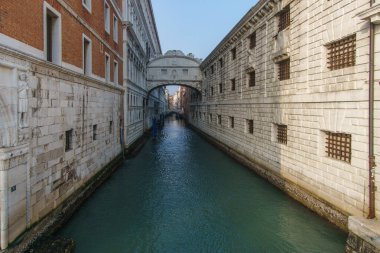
{"x":154,"y":24}
{"x":235,"y":29}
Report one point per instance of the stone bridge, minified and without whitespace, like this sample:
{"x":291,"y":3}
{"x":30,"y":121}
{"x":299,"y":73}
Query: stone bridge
{"x":174,"y":68}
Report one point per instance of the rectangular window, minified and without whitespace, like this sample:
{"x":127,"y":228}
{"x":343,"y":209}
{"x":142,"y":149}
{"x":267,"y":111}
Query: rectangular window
{"x":212,"y":91}
{"x":284,"y":19}
{"x":249,"y":126}
{"x":69,"y":140}
{"x":185,"y":72}
{"x":94,"y":130}
{"x":252,"y":40}
{"x":233,"y":53}
{"x":219,"y":119}
{"x":282,"y":134}
{"x":221,"y":63}
{"x":87,"y":4}
{"x":115,"y":72}
{"x":338,"y":146}
{"x":164,"y":71}
{"x":284,"y":70}
{"x":87,"y":56}
{"x":106,"y":17}
{"x":342,"y":53}
{"x":212,"y":69}
{"x":210,"y":118}
{"x":220,"y":88}
{"x":52,"y":35}
{"x":107,"y":68}
{"x":233,"y":84}
{"x":232,"y":122}
{"x":110,"y":129}
{"x":251,"y":79}
{"x":115,"y":29}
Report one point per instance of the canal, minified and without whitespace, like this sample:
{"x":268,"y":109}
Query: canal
{"x":180,"y":194}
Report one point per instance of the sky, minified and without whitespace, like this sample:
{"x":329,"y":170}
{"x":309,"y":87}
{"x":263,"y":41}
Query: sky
{"x":196,"y":26}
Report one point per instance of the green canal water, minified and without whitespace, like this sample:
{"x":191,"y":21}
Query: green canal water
{"x":180,"y":194}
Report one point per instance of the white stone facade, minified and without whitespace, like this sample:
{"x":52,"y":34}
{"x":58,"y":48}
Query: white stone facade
{"x":141,"y":43}
{"x":313,"y":101}
{"x":39,"y":102}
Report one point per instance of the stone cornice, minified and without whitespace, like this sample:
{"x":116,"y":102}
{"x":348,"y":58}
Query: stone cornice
{"x":373,"y":14}
{"x":86,"y":80}
{"x":252,"y":18}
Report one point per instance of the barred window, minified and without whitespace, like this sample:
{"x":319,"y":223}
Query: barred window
{"x":342,"y":53}
{"x":282,"y":134}
{"x":249,"y":126}
{"x":94,"y":132}
{"x":220,"y":88}
{"x":251,"y":79}
{"x":69,"y":140}
{"x":284,"y":70}
{"x":284,"y":19}
{"x":252,"y":40}
{"x":338,"y":146}
{"x":110,"y":127}
{"x":219,"y":119}
{"x":233,"y":84}
{"x":232,"y":122}
{"x":233,"y":53}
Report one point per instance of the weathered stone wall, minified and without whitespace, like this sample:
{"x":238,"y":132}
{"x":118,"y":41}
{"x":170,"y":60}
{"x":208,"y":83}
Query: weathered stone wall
{"x":315,"y":99}
{"x":39,"y":103}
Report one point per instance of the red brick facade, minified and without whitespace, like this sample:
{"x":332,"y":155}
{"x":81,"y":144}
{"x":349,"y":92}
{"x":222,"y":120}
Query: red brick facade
{"x":24,"y":21}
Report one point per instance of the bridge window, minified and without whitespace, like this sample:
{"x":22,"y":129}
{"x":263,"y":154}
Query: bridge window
{"x":282,"y":134}
{"x":249,"y":126}
{"x":164,"y":71}
{"x":185,"y":72}
{"x":233,"y":84}
{"x":233,"y":53}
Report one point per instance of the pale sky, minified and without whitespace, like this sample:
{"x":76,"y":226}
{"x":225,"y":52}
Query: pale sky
{"x":196,"y":26}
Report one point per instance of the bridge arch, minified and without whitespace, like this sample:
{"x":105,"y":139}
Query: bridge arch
{"x":174,"y":68}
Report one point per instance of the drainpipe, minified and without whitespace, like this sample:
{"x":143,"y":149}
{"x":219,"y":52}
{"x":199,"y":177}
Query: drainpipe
{"x":4,"y":207}
{"x":371,"y":156}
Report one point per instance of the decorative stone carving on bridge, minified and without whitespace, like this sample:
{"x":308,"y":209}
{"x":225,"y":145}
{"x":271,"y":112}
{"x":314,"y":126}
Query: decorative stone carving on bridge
{"x":174,"y":68}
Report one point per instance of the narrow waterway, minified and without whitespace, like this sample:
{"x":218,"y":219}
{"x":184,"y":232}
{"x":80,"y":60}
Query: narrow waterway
{"x":180,"y":194}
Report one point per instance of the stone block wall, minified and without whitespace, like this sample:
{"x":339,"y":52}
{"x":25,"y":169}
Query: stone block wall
{"x":40,"y":102}
{"x":313,"y":101}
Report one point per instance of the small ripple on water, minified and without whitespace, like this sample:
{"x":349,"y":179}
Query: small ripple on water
{"x":180,"y":194}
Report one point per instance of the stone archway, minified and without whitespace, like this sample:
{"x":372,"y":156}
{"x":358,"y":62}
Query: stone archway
{"x":174,"y":68}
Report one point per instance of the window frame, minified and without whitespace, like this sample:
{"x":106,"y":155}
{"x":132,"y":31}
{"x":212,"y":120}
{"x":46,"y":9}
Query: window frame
{"x":87,"y":60}
{"x":115,"y":72}
{"x":115,"y":28}
{"x":107,"y":68}
{"x":87,"y":4}
{"x":56,"y":51}
{"x":282,"y":76}
{"x":69,"y":140}
{"x":107,"y":17}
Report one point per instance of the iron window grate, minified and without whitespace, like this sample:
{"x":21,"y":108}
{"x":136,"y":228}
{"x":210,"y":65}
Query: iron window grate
{"x":233,"y":84}
{"x":282,"y":134}
{"x":284,"y":19}
{"x":69,"y":140}
{"x":342,"y":53}
{"x":284,"y":70}
{"x":338,"y":146}
{"x":250,"y":126}
{"x":252,"y":40}
{"x":251,"y":79}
